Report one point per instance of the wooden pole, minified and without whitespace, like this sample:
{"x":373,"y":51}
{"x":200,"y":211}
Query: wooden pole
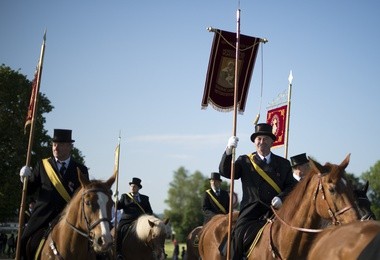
{"x":234,"y":126}
{"x":29,"y":152}
{"x":116,"y":169}
{"x":290,"y":78}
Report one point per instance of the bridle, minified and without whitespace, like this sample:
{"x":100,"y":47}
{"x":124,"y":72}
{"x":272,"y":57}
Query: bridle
{"x":90,"y":226}
{"x":332,"y":214}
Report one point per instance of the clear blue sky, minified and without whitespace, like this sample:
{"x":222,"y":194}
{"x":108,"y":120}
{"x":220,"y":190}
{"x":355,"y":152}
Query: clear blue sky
{"x":139,"y":67}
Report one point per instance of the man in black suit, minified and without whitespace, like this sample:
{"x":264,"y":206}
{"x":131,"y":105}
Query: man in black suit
{"x":55,"y":179}
{"x":266,"y":179}
{"x":133,"y":205}
{"x":216,"y":200}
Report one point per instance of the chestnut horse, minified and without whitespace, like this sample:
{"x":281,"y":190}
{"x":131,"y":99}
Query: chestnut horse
{"x":145,"y":239}
{"x":357,"y":240}
{"x":83,"y":229}
{"x":322,"y":194}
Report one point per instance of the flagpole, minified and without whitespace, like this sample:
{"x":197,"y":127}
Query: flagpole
{"x":29,"y":152}
{"x":116,"y":169}
{"x":290,"y":79}
{"x":234,"y":126}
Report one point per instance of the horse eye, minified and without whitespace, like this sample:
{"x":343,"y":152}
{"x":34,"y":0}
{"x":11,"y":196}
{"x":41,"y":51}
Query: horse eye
{"x":88,"y":203}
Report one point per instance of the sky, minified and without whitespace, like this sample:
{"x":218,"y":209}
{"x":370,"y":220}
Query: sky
{"x":138,"y":69}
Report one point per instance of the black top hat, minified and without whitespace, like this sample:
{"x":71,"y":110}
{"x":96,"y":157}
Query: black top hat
{"x":215,"y":176}
{"x":263,"y":129}
{"x":136,"y":181}
{"x":298,"y":159}
{"x":62,"y":136}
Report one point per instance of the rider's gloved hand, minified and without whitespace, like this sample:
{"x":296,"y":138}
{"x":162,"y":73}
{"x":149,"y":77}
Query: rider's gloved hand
{"x":232,"y":143}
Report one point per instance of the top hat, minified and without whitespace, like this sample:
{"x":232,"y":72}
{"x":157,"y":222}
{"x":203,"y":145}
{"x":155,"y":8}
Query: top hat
{"x":215,"y":176}
{"x":263,"y":129}
{"x":136,"y":181}
{"x":62,"y":136}
{"x":298,"y":159}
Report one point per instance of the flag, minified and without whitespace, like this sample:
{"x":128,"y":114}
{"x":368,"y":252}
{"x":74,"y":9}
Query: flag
{"x":276,"y":117}
{"x":30,"y":113}
{"x":116,"y":165}
{"x":220,"y":78}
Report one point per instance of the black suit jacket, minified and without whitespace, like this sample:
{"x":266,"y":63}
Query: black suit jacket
{"x":131,"y":211}
{"x":49,"y":203}
{"x":210,"y":208}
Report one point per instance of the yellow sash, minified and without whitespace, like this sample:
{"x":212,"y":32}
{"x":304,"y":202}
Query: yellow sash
{"x":55,"y":180}
{"x":137,"y":203}
{"x":216,"y":201}
{"x":263,"y":174}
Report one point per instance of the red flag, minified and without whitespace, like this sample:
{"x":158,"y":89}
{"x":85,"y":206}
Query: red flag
{"x":277,"y":118}
{"x":220,"y":79}
{"x":30,"y":114}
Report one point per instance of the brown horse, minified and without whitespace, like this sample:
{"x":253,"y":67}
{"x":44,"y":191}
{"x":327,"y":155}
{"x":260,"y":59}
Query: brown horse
{"x":145,"y":239}
{"x":324,"y":193}
{"x":357,"y":240}
{"x":84,"y":226}
{"x":192,"y":241}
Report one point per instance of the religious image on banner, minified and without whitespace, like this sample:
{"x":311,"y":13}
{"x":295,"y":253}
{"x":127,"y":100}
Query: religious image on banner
{"x":276,"y":117}
{"x":220,"y":79}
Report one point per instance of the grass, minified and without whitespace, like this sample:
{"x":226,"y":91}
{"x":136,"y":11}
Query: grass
{"x":169,"y":248}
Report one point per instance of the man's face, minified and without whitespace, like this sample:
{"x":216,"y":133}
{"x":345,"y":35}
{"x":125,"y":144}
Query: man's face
{"x":215,"y":184}
{"x":62,"y":151}
{"x":301,"y":170}
{"x":263,"y":144}
{"x":134,"y":188}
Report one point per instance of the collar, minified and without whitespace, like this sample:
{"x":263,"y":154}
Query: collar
{"x":67,"y":161}
{"x":268,"y":157}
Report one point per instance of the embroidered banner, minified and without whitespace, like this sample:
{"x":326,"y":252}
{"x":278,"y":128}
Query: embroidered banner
{"x":30,"y":113}
{"x":220,"y":78}
{"x":277,"y":118}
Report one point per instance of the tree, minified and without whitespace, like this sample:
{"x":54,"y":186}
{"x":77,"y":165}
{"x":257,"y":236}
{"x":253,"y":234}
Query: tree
{"x":373,"y":176}
{"x":15,"y":91}
{"x":185,"y":197}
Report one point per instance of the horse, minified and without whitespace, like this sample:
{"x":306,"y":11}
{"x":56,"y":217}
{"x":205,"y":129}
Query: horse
{"x":83,"y":229}
{"x":357,"y":240}
{"x":323,"y":193}
{"x":192,"y":241}
{"x":145,"y":239}
{"x":364,"y":204}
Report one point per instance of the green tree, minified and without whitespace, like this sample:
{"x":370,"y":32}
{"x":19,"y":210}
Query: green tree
{"x":185,"y":197}
{"x":373,"y":176}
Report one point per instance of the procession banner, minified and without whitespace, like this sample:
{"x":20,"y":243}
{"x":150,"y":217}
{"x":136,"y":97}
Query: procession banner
{"x":220,"y":78}
{"x":277,"y":118}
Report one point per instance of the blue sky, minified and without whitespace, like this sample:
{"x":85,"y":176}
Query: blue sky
{"x":139,"y":68}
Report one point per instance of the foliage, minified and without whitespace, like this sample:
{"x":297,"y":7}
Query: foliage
{"x":373,"y":176}
{"x":15,"y":91}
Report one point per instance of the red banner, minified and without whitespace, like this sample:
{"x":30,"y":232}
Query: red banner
{"x":220,"y":79}
{"x":30,"y":113}
{"x":276,"y":117}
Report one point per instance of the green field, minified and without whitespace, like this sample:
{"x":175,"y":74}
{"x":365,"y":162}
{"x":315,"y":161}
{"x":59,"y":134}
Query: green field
{"x":169,"y":247}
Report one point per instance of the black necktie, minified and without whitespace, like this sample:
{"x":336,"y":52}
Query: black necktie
{"x":63,"y":168}
{"x":265,"y":160}
{"x":217,"y":193}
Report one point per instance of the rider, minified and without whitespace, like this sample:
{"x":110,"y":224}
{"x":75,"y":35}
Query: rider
{"x":216,"y":200}
{"x":55,"y":179}
{"x":133,"y":205}
{"x":266,"y":179}
{"x":300,"y":165}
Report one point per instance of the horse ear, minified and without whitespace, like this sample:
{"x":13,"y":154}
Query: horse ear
{"x":84,"y":181}
{"x":314,"y":165}
{"x":151,"y":223}
{"x":343,"y":165}
{"x":365,"y":189}
{"x":111,"y":180}
{"x":166,"y":221}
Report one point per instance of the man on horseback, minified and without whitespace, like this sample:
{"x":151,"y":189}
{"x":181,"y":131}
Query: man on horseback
{"x":133,"y":205}
{"x":266,"y":179}
{"x":216,"y":200}
{"x":55,"y":179}
{"x":300,"y":165}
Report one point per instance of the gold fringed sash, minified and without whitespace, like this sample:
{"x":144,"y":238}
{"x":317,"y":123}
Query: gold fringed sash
{"x":138,"y":204}
{"x":55,"y":180}
{"x":264,"y":174}
{"x":216,"y":201}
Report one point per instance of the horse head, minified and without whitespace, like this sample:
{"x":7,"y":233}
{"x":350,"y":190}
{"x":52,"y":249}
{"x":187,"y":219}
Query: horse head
{"x":334,"y":197}
{"x":95,"y":212}
{"x":364,"y":204}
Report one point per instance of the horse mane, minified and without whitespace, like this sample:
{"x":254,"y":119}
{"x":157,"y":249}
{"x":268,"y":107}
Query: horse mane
{"x":141,"y":228}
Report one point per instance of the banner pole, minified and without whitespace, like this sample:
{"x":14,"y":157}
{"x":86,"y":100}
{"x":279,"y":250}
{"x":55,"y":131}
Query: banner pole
{"x":29,"y":151}
{"x":116,"y":169}
{"x":290,"y":79}
{"x":234,"y":126}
